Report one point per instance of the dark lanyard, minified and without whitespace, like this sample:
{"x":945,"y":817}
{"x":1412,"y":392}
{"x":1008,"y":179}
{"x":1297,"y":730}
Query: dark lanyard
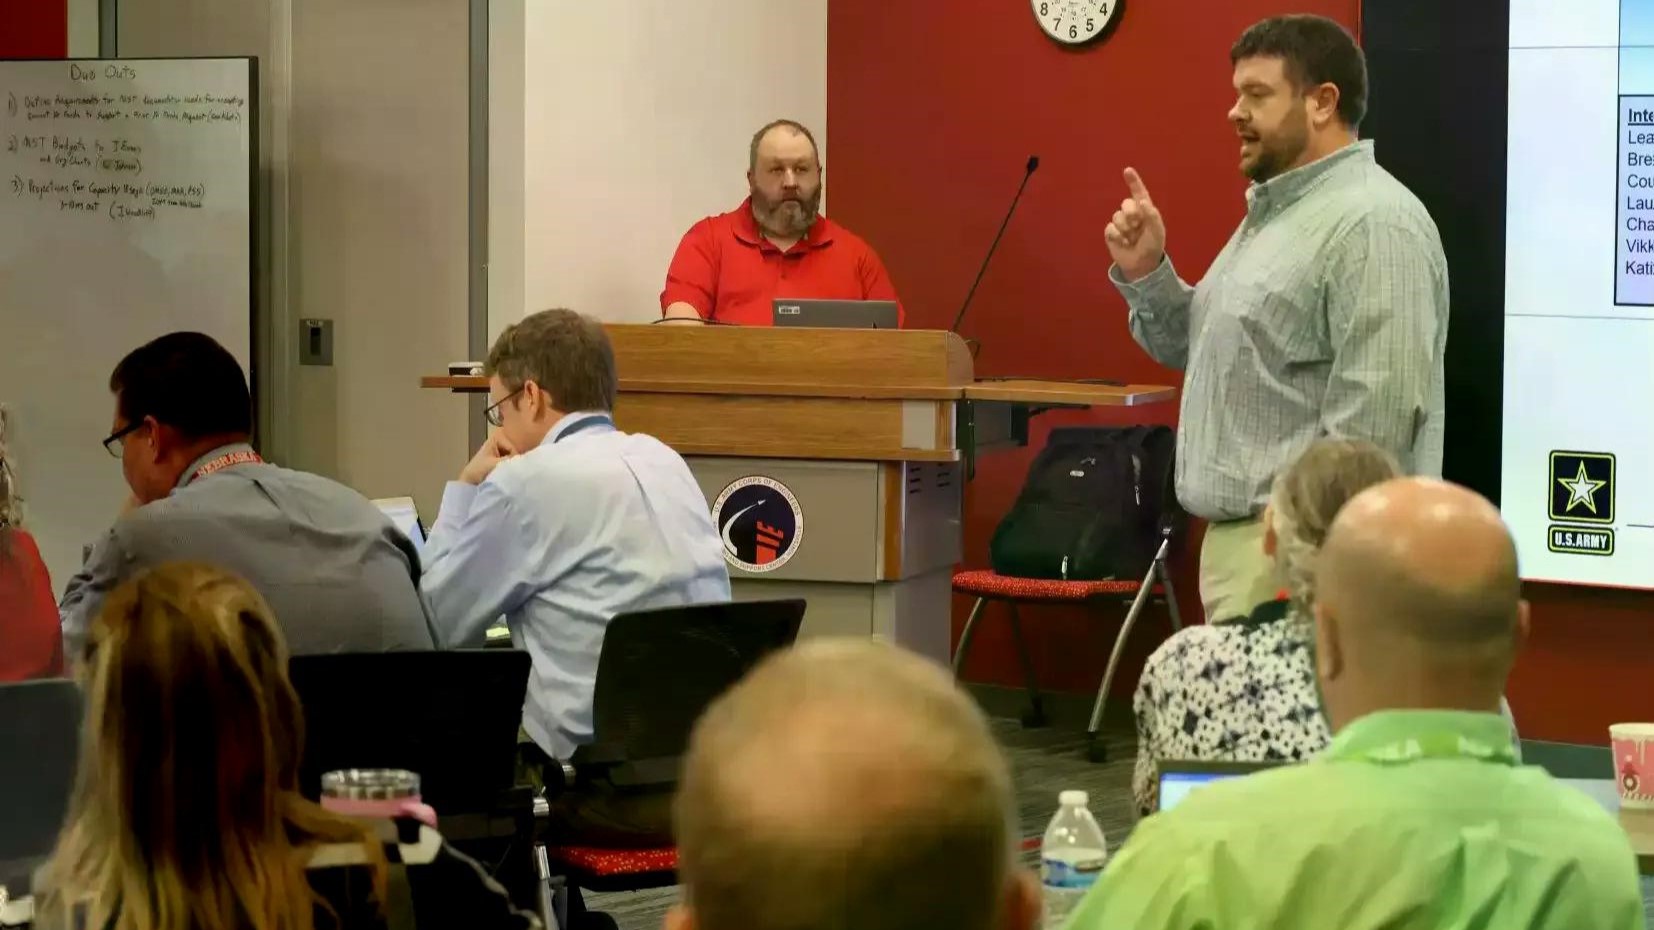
{"x":584,"y":423}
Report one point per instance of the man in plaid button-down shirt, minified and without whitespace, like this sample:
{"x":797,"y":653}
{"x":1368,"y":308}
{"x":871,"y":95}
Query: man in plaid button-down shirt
{"x":1324,"y":315}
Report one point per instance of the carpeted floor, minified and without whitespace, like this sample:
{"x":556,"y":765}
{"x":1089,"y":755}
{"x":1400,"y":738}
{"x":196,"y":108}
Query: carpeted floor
{"x":1045,"y":762}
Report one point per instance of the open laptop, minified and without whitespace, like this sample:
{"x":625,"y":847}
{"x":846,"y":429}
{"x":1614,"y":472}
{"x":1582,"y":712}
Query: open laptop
{"x":404,"y":513}
{"x":835,"y":314}
{"x":1178,"y":777}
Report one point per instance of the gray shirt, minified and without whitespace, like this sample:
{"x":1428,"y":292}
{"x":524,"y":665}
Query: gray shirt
{"x":1324,"y":315}
{"x":337,"y":574}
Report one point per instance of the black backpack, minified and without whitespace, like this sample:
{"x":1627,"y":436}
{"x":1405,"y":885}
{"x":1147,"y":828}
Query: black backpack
{"x":1092,"y":506}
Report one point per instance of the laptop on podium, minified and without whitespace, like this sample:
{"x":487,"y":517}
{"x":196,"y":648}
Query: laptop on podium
{"x":835,"y":314}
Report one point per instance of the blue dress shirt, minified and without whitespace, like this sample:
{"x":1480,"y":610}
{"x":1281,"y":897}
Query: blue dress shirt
{"x":560,"y":539}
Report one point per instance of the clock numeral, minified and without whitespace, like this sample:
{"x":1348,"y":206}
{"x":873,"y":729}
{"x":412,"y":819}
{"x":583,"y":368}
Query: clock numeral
{"x":1089,"y":25}
{"x":1073,"y":32}
{"x":1045,"y":9}
{"x":1102,"y":9}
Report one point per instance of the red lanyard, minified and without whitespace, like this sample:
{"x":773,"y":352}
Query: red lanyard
{"x":243,"y":457}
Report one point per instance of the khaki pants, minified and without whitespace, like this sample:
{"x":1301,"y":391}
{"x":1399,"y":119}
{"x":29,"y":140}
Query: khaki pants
{"x":1235,"y":575}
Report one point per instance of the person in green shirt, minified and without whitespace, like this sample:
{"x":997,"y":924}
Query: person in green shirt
{"x":1418,"y":815}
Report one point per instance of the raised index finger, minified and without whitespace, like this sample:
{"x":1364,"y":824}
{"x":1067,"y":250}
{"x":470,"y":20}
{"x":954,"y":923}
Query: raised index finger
{"x":1139,"y":190}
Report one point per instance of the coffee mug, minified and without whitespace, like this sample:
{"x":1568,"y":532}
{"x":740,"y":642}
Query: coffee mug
{"x":376,"y":793}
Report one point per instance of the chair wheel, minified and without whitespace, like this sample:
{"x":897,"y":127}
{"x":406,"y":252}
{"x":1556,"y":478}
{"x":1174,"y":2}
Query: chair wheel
{"x":1096,"y":750}
{"x":1034,"y":718}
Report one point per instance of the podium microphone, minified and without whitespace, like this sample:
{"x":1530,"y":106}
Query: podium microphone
{"x":1033,"y":166}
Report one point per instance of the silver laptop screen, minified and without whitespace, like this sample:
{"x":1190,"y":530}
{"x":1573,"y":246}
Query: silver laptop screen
{"x":405,"y":515}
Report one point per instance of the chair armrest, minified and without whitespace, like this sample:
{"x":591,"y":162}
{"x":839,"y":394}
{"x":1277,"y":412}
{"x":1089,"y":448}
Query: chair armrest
{"x":556,"y":777}
{"x":594,"y":756}
{"x":511,"y":814}
{"x":514,"y":800}
{"x":559,"y":776}
{"x":646,"y":773}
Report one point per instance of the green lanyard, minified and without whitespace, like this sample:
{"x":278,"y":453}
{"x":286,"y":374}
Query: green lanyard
{"x":1436,"y":744}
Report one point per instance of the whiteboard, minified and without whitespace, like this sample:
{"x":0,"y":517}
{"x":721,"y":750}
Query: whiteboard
{"x":126,"y":212}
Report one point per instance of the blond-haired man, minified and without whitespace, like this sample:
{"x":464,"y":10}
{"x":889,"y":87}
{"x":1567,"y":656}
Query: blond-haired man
{"x":848,"y":784}
{"x":560,"y":523}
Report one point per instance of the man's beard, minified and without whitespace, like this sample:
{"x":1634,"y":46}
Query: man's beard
{"x":786,"y":218}
{"x":1277,"y":153}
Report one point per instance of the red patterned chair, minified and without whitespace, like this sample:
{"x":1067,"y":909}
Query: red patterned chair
{"x":616,"y":869}
{"x":988,"y":586}
{"x":564,"y":869}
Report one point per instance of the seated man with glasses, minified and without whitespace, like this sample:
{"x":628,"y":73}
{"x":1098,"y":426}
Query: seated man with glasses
{"x":560,"y":523}
{"x":338,"y":576}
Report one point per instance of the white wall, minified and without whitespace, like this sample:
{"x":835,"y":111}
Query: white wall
{"x":364,"y":152}
{"x":83,"y":28}
{"x":615,"y":126}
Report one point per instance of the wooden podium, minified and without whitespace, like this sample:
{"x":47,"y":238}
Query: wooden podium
{"x":868,"y":436}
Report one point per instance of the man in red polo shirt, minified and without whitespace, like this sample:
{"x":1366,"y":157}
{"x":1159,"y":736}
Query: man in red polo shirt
{"x":729,"y":268}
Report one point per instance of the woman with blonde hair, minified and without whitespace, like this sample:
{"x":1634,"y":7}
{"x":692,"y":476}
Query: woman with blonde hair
{"x":187,"y":813}
{"x":1243,"y":688}
{"x":31,"y":642}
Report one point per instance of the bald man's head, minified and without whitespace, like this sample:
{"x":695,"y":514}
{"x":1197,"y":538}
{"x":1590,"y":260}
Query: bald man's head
{"x":1417,"y":586}
{"x":845,"y":783}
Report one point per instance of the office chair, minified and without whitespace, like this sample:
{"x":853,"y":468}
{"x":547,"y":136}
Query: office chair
{"x":40,"y":724}
{"x":988,"y":586}
{"x":659,"y":670}
{"x":451,"y":717}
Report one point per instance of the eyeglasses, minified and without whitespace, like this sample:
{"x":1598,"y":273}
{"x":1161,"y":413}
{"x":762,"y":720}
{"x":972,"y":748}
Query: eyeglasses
{"x":112,"y":445}
{"x":493,"y":414}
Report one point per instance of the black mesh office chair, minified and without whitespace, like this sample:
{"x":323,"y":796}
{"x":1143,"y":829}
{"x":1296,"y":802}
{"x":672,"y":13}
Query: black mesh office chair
{"x":661,"y":668}
{"x":658,"y":672}
{"x":39,"y":749}
{"x":452,"y":717}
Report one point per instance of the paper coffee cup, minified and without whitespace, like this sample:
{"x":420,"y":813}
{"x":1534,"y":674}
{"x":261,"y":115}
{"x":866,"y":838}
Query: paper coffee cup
{"x":1633,"y":746}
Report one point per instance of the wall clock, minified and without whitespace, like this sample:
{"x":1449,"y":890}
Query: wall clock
{"x":1075,"y":22}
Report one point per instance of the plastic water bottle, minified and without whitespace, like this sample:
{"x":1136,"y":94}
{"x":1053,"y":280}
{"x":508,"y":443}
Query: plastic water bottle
{"x":1071,"y":857}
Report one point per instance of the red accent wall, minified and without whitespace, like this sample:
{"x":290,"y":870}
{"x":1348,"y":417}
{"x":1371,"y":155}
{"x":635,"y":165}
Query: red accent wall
{"x":34,"y":28}
{"x":1589,"y":662}
{"x":932,"y":111}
